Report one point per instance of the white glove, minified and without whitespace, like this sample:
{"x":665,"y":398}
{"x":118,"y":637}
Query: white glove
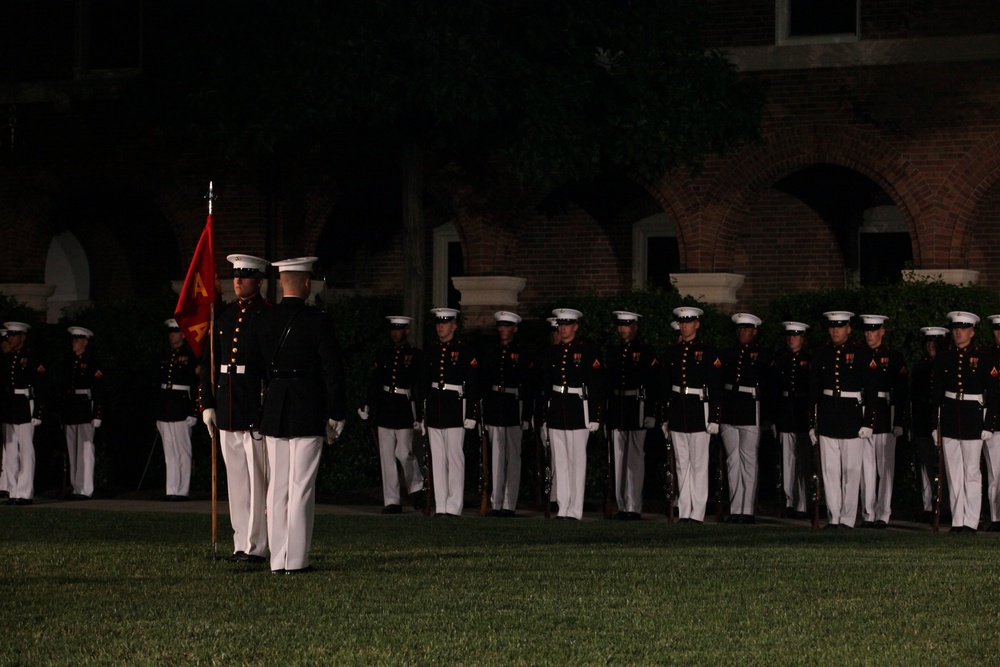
{"x":666,"y":429}
{"x":593,"y":426}
{"x":934,"y":436}
{"x":865,"y":432}
{"x":543,"y":431}
{"x":96,"y":423}
{"x":333,"y":429}
{"x":712,"y":428}
{"x":774,"y":430}
{"x":35,"y":422}
{"x":987,"y":435}
{"x":208,"y":416}
{"x":363,"y":413}
{"x":469,"y":424}
{"x":649,"y":422}
{"x":419,"y":428}
{"x":897,"y":431}
{"x":190,"y":421}
{"x":812,"y":436}
{"x":525,"y":426}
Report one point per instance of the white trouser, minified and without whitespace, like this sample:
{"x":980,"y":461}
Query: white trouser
{"x":691,"y":461}
{"x":569,"y":462}
{"x":927,"y":455}
{"x":841,"y":477}
{"x":630,"y":449}
{"x":396,"y":444}
{"x":19,"y":459}
{"x":794,"y":462}
{"x":505,"y":443}
{"x":878,"y":461}
{"x":176,"y":437}
{"x":965,"y":480}
{"x":741,"y":444}
{"x":80,"y":447}
{"x":448,"y":464}
{"x":993,"y":475}
{"x":246,"y":480}
{"x":292,"y":465}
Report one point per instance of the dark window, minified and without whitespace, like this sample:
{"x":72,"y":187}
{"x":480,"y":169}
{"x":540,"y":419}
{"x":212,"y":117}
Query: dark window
{"x":883,"y":257}
{"x":456,"y":268}
{"x":663,"y":257}
{"x":811,"y":18}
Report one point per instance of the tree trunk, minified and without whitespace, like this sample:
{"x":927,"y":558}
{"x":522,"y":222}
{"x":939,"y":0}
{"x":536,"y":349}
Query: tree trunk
{"x":414,"y":273}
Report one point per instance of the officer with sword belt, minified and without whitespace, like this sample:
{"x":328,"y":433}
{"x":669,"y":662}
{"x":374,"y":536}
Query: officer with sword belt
{"x":573,"y":397}
{"x":632,"y":374}
{"x":693,"y":394}
{"x":743,"y":369}
{"x":394,"y":393}
{"x":81,"y":388}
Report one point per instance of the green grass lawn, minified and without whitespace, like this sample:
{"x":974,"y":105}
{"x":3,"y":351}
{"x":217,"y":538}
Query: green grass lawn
{"x":92,"y":587}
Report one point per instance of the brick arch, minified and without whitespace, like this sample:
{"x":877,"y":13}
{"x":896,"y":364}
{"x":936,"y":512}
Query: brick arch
{"x":759,"y":166}
{"x":965,"y":186}
{"x":677,"y":196}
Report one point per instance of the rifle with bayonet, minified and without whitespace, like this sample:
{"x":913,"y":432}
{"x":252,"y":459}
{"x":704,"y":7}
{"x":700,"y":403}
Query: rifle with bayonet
{"x":484,"y":465}
{"x":425,"y":449}
{"x":609,"y":481}
{"x":938,"y":477}
{"x":818,"y":475}
{"x":671,"y":476}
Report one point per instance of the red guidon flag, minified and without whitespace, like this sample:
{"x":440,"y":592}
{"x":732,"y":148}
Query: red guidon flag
{"x":194,"y":307}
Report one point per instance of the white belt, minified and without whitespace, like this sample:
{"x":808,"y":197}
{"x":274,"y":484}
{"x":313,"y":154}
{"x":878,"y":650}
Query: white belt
{"x":883,"y":394}
{"x":697,"y":391}
{"x":446,"y":387}
{"x":964,"y":397}
{"x":82,"y":392}
{"x":625,"y":392}
{"x":504,"y":390}
{"x":178,"y":387}
{"x":23,"y":392}
{"x":562,"y":389}
{"x":745,"y":389}
{"x":856,"y":395}
{"x":396,"y":390}
{"x":238,"y":370}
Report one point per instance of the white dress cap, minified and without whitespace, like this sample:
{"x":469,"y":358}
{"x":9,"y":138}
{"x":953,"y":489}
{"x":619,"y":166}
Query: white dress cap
{"x":675,"y":325}
{"x":746,"y":320}
{"x":687,"y":313}
{"x":934,"y":332}
{"x":873,"y":322}
{"x":80,"y":332}
{"x":444,"y":314}
{"x":298,"y":264}
{"x":172,"y":324}
{"x":553,"y":322}
{"x":838,"y":318}
{"x":995,"y":321}
{"x":794,"y":327}
{"x":567,"y":315}
{"x":960,"y":318}
{"x":16,"y":327}
{"x":506,"y":317}
{"x":625,"y":317}
{"x":399,"y":321}
{"x":244,"y":265}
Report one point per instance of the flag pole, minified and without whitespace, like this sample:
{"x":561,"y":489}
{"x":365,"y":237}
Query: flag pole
{"x":215,"y":431}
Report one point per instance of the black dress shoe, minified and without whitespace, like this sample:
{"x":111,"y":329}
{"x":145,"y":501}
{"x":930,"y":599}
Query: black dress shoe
{"x":169,"y":498}
{"x":994,"y":527}
{"x":302,"y":570}
{"x":23,"y":501}
{"x":495,"y":513}
{"x":507,"y":514}
{"x":238,"y":557}
{"x":831,"y":526}
{"x":392,"y":509}
{"x":255,"y":559}
{"x":881,"y":524}
{"x":4,"y":494}
{"x":957,"y":529}
{"x":633,"y":516}
{"x":867,"y":524}
{"x":749,"y":518}
{"x":278,"y":571}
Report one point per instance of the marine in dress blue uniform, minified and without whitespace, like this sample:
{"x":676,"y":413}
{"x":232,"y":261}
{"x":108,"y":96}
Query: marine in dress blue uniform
{"x":81,"y":397}
{"x":992,"y":447}
{"x":965,"y":384}
{"x":507,"y":411}
{"x":304,"y":403}
{"x":789,"y":400}
{"x":692,"y":390}
{"x":175,"y":409}
{"x":923,"y":408}
{"x":743,"y":373}
{"x":230,"y":401}
{"x":394,"y":401}
{"x":24,"y":383}
{"x":572,"y":401}
{"x":842,"y":391}
{"x":451,"y":375}
{"x":878,"y":462}
{"x":633,"y":373}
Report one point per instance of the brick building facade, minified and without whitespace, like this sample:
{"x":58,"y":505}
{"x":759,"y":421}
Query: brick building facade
{"x":879,"y":150}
